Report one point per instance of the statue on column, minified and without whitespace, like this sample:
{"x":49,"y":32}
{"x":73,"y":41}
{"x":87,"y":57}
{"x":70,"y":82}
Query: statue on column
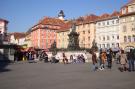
{"x":73,"y":38}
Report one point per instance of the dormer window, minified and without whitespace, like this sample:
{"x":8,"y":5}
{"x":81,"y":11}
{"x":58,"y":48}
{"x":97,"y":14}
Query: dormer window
{"x":113,"y":22}
{"x":99,"y":24}
{"x":124,"y":11}
{"x":103,"y":23}
{"x":107,"y":22}
{"x":117,"y":21}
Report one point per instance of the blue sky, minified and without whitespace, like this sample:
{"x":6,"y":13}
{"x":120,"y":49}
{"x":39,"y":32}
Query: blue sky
{"x":22,"y":14}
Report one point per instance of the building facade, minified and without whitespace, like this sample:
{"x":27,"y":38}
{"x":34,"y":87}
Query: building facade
{"x":17,"y":38}
{"x":107,"y":31}
{"x":3,"y":30}
{"x":127,"y":26}
{"x":28,"y":38}
{"x":43,"y":34}
{"x":62,"y":38}
{"x":86,"y":28}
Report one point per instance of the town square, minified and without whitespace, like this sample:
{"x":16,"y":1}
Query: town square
{"x":67,"y":45}
{"x":59,"y":76}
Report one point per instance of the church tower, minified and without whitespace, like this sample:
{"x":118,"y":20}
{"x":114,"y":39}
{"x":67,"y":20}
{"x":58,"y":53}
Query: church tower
{"x":61,"y":15}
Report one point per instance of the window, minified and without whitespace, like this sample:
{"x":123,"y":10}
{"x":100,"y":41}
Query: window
{"x":129,"y":38}
{"x":125,"y":39}
{"x":88,"y":31}
{"x":83,"y":32}
{"x":89,"y":45}
{"x":103,"y":38}
{"x":103,"y":23}
{"x":108,"y":38}
{"x":108,"y":45}
{"x":113,"y":22}
{"x":99,"y":24}
{"x":118,"y":45}
{"x":83,"y":38}
{"x":124,"y":11}
{"x":112,"y":44}
{"x":103,"y":45}
{"x":117,"y":37}
{"x":131,"y":9}
{"x":88,"y":38}
{"x":124,"y":28}
{"x":133,"y":27}
{"x":112,"y":37}
{"x":133,"y":38}
{"x":107,"y":22}
{"x":117,"y":21}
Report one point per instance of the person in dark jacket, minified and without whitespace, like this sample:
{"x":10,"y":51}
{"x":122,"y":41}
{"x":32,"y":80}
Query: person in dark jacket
{"x":94,"y":61}
{"x":44,"y":56}
{"x":109,"y":58}
{"x":131,"y":60}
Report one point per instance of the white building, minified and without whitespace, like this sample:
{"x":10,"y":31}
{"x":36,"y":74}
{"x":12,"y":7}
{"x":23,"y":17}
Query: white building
{"x":107,"y":31}
{"x":3,"y":30}
{"x":17,"y":38}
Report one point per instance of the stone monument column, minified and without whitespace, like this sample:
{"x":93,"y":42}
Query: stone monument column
{"x":73,"y":39}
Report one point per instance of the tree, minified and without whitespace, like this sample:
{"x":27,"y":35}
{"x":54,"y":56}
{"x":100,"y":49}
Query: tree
{"x":94,"y":46}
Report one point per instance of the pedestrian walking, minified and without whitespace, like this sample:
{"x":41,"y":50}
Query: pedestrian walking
{"x":94,"y":61}
{"x":109,"y":59}
{"x":118,"y":57}
{"x":123,"y":61}
{"x":131,"y":59}
{"x":103,"y":59}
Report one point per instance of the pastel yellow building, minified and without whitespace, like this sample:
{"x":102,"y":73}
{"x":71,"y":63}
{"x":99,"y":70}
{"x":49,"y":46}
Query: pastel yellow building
{"x":62,"y":38}
{"x":86,"y":29}
{"x":127,"y":26}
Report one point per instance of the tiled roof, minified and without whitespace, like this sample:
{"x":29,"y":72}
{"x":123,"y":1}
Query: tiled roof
{"x":127,"y":14}
{"x":86,"y":19}
{"x":130,"y":2}
{"x":108,"y":16}
{"x":115,"y":13}
{"x":51,"y":21}
{"x":66,"y":26}
{"x":105,"y":16}
{"x":52,"y":24}
{"x":18,"y":35}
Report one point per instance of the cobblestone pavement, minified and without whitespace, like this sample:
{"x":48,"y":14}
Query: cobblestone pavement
{"x":59,"y":76}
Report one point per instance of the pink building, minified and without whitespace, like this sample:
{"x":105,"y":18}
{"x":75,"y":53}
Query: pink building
{"x":43,"y":34}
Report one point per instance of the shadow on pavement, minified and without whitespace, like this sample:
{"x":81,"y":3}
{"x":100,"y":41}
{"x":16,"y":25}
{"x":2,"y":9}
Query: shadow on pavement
{"x":4,"y":62}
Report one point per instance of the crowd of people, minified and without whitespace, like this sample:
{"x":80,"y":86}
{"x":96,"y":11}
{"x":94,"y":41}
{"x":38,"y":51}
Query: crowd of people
{"x":74,"y":58}
{"x":30,"y":56}
{"x":104,"y":59}
{"x":101,"y":60}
